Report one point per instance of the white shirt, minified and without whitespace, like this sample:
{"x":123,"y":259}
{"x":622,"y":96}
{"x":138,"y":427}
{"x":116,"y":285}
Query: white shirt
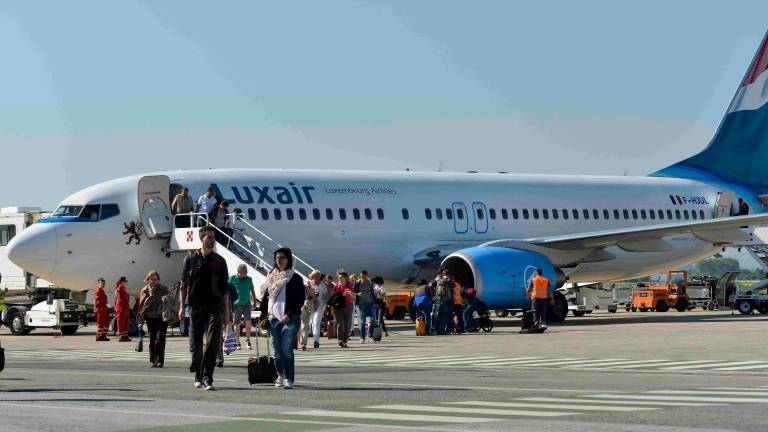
{"x":381,"y":292}
{"x":206,"y":204}
{"x":277,"y":307}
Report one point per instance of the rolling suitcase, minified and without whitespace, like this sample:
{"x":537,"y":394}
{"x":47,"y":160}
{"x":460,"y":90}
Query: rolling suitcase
{"x":421,"y":327}
{"x":377,"y":333}
{"x":330,"y":329}
{"x":528,"y":326}
{"x":261,"y":369}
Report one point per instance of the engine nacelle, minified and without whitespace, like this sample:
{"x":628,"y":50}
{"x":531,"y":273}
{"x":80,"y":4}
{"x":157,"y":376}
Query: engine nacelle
{"x":501,"y":275}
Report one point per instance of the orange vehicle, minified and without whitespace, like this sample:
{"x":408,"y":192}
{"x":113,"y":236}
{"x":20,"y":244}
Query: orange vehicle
{"x":398,"y":304}
{"x":673,"y":294}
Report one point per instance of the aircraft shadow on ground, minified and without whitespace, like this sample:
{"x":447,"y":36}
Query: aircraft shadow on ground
{"x":68,"y":390}
{"x":76,"y":400}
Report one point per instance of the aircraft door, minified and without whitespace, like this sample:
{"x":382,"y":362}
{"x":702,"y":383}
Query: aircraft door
{"x":723,"y":204}
{"x":480,"y":213}
{"x":460,"y":218}
{"x":154,"y":206}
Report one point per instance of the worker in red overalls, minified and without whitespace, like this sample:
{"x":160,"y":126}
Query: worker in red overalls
{"x":122,"y":309}
{"x":102,"y":311}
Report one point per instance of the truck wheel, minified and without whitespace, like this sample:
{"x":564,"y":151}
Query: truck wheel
{"x":745,"y":307}
{"x":557,"y":312}
{"x":613,"y":309}
{"x":662,"y":306}
{"x":711,"y":306}
{"x":630,"y":308}
{"x":682,"y":305}
{"x":69,"y":330}
{"x":633,"y":309}
{"x":577,"y":313}
{"x":17,"y":326}
{"x":643,"y":309}
{"x":501,"y":313}
{"x":399,"y":314}
{"x":763,"y":309}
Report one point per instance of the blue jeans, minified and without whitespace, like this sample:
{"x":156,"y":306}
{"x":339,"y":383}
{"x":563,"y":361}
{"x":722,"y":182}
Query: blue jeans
{"x":441,"y":316}
{"x":469,"y":322}
{"x":283,"y":337}
{"x":366,"y":310}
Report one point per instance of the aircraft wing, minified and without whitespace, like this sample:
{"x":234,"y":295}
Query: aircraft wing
{"x":572,"y":249}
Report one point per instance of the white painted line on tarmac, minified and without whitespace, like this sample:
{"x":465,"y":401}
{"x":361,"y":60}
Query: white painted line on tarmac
{"x":587,"y":361}
{"x":455,"y":360}
{"x":682,"y":398}
{"x":718,"y":363}
{"x":124,"y":375}
{"x":711,"y":392}
{"x":662,"y":363}
{"x":563,"y":406}
{"x":464,"y":411}
{"x":465,"y":359}
{"x":616,"y":402}
{"x":622,"y":363}
{"x":509,"y":361}
{"x":392,"y":416}
{"x":403,"y":360}
{"x":739,"y":368}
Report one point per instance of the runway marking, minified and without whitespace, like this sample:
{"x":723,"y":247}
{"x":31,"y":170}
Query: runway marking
{"x":616,"y":402}
{"x":681,"y":398}
{"x":713,"y":392}
{"x":392,"y":416}
{"x":738,"y":368}
{"x":661,"y":363}
{"x":714,"y":363}
{"x":638,"y":362}
{"x":455,"y":410}
{"x":563,"y":406}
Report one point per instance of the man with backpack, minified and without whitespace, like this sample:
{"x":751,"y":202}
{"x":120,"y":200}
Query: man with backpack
{"x":444,"y":301}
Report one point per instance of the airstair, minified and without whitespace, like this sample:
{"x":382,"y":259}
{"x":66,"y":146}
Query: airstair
{"x":243,"y":244}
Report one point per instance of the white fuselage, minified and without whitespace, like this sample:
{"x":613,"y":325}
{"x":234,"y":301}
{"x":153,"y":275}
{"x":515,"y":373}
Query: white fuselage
{"x":483,"y":207}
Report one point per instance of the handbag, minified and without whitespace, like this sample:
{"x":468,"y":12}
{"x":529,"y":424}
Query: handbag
{"x":264,"y":323}
{"x":230,"y":342}
{"x":140,"y":344}
{"x":261,"y":369}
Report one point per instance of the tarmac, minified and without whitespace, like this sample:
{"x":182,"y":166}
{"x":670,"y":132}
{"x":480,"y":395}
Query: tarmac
{"x":620,"y":372}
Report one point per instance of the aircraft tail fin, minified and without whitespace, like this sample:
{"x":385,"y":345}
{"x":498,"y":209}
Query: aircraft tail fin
{"x":738,"y":152}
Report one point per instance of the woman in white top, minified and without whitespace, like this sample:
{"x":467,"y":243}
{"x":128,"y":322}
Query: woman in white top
{"x":381,"y":302}
{"x":321,"y":293}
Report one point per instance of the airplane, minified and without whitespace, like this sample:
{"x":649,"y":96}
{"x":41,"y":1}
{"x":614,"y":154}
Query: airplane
{"x":492,"y":230}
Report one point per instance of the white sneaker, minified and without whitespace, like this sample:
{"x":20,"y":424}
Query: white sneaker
{"x":362,"y":340}
{"x":288,"y":384}
{"x":198,"y":384}
{"x":280,"y":381}
{"x":208,"y":387}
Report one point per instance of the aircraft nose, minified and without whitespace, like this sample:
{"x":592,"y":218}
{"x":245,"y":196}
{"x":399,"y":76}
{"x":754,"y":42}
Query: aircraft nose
{"x":35,"y":249}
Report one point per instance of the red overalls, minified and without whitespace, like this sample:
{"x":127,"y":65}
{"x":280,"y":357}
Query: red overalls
{"x":123,"y":311}
{"x":102,"y":314}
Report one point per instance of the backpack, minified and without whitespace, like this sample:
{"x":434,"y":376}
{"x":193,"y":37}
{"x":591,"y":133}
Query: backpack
{"x":444,"y":291}
{"x":169,"y":308}
{"x":337,"y":301}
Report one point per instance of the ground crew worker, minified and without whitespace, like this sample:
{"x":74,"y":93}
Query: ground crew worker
{"x":122,"y":309}
{"x":458,"y":308}
{"x":743,"y":208}
{"x":101,"y":308}
{"x":538,"y":291}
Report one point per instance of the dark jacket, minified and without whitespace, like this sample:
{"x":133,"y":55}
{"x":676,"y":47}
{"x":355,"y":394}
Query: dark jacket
{"x":206,"y":279}
{"x":294,"y":297}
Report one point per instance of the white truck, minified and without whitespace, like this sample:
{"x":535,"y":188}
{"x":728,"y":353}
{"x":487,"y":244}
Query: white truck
{"x":585,"y":298}
{"x":31,"y":302}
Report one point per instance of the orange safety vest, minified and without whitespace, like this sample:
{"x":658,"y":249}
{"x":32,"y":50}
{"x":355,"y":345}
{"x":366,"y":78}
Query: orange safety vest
{"x":540,"y":288}
{"x":457,"y":294}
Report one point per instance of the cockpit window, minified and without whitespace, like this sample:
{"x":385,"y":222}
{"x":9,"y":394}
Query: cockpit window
{"x":109,"y":210}
{"x":91,"y":213}
{"x":68,"y":210}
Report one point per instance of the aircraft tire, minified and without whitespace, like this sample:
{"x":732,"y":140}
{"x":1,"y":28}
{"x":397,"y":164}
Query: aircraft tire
{"x":501,"y":313}
{"x":557,"y":312}
{"x":578,"y":313}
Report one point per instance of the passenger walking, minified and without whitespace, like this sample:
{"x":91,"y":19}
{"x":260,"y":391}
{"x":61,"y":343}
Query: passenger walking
{"x":283,"y":297}
{"x":380,"y":291}
{"x":101,"y":308}
{"x":122,"y":309}
{"x":355,"y":308}
{"x":246,"y":296}
{"x":443,"y":302}
{"x":308,"y":310}
{"x":150,"y":312}
{"x":344,"y":288}
{"x":219,"y":217}
{"x":204,"y":286}
{"x":182,"y":204}
{"x":365,"y":299}
{"x":422,"y":302}
{"x":538,"y":291}
{"x":206,"y":202}
{"x":323,"y":293}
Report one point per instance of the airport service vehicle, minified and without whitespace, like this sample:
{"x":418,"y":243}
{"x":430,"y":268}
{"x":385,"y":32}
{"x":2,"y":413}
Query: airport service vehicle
{"x":398,"y":305}
{"x":623,"y":295}
{"x":660,"y":298}
{"x":586,"y":298}
{"x":491,"y":230}
{"x":753,"y":298}
{"x":32,"y":302}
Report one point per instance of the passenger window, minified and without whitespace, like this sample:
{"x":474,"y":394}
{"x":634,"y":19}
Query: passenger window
{"x":586,"y":213}
{"x":343,"y":214}
{"x":7,"y":232}
{"x":515,"y":214}
{"x":492,"y":213}
{"x":329,"y":214}
{"x":316,"y":214}
{"x":91,"y":213}
{"x":428,"y":214}
{"x":669,"y":214}
{"x":606,"y":214}
{"x":278,"y":214}
{"x":677,"y":214}
{"x":642,"y":214}
{"x":525,"y":213}
{"x":555,"y":214}
{"x":439,"y":214}
{"x":406,"y":216}
{"x":652,"y":214}
{"x":535,"y":213}
{"x":449,"y":214}
{"x":626,"y":213}
{"x":264,"y":214}
{"x":289,"y":214}
{"x":545,"y":213}
{"x":661,"y":214}
{"x":685,"y":214}
{"x":616,"y":214}
{"x":565,"y":213}
{"x":460,"y":213}
{"x":480,"y":214}
{"x":634,"y":214}
{"x":251,"y":214}
{"x":504,"y":214}
{"x":701,"y":214}
{"x":356,"y":214}
{"x":693,"y":214}
{"x":109,"y":210}
{"x":367,"y":213}
{"x":595,"y":214}
{"x":302,"y":214}
{"x":380,"y":214}
{"x":575,"y":214}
